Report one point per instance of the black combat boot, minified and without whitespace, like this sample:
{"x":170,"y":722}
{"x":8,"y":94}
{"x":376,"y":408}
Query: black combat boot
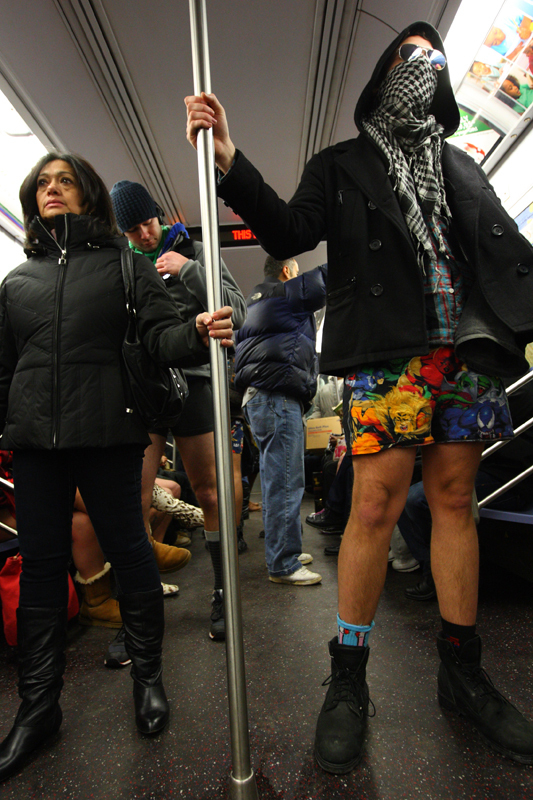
{"x":144,"y":621}
{"x":464,"y":687}
{"x":341,"y":725}
{"x":41,"y":636}
{"x":424,"y":590}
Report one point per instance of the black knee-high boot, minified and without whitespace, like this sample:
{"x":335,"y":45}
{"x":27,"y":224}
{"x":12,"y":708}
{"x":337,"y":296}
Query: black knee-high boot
{"x":42,"y":637}
{"x":144,"y":622}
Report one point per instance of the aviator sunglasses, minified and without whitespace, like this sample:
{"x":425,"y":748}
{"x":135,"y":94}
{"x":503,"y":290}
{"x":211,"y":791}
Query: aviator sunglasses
{"x":408,"y":52}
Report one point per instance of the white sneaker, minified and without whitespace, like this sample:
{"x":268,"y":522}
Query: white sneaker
{"x":302,"y":577}
{"x":305,"y":558}
{"x":405,"y":564}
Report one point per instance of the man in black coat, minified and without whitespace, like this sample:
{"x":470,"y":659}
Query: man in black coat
{"x":429,"y":296}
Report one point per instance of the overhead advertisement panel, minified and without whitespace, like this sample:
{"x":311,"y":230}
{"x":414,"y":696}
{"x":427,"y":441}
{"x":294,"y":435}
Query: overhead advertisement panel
{"x":498,"y":86}
{"x":525,"y":222}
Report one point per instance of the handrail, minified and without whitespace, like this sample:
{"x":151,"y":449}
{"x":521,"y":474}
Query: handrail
{"x":497,"y":446}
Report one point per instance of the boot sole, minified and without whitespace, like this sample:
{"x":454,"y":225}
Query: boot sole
{"x":154,"y":731}
{"x":34,"y":753}
{"x":448,"y":705}
{"x":422,"y":598}
{"x":177,"y":567}
{"x":337,"y":769}
{"x":326,"y":528}
{"x":114,"y":663}
{"x":309,"y":582}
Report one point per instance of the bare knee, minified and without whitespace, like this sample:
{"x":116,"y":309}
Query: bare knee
{"x":375,"y":511}
{"x":82,"y":529}
{"x":451,"y":500}
{"x":206,"y":494}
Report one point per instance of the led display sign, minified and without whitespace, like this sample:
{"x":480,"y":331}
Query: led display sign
{"x":238,"y":235}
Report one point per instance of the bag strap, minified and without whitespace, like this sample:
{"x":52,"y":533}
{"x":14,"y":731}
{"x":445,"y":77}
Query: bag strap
{"x":128,"y":276}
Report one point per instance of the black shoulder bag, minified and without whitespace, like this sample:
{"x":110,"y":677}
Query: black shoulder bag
{"x":159,"y":393}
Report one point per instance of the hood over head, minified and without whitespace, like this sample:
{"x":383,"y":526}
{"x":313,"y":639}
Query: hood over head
{"x":443,"y":107}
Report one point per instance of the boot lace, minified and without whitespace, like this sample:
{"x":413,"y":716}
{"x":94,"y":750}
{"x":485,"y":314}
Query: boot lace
{"x":346,"y":689}
{"x":483,"y":686}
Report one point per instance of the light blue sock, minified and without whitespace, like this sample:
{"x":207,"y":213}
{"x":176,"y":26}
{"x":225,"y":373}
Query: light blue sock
{"x":353,"y":635}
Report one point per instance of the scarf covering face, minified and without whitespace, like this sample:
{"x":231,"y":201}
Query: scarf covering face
{"x":411,"y":139}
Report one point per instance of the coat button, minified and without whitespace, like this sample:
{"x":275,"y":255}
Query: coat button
{"x":375,"y":244}
{"x":372,"y":206}
{"x":377,"y":289}
{"x":522,"y":269}
{"x":497,"y":230}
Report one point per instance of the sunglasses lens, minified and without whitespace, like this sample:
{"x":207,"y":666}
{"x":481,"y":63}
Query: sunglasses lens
{"x":408,"y":52}
{"x":438,"y":59}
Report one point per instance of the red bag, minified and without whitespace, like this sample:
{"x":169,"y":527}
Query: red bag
{"x":10,"y":593}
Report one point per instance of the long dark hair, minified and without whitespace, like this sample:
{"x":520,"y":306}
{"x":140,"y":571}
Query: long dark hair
{"x":95,"y":195}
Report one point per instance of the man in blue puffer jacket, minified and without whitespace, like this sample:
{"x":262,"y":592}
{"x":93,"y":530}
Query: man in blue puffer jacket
{"x":276,"y":366}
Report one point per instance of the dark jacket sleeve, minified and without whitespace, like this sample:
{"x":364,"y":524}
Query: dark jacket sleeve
{"x":283,"y":229}
{"x":307,"y":292}
{"x":170,"y":339}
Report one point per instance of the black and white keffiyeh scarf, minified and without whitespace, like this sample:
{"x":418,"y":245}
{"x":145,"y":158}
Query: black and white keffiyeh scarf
{"x":411,"y":139}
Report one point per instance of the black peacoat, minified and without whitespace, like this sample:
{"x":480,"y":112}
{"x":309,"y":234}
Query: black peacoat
{"x":375,"y":302}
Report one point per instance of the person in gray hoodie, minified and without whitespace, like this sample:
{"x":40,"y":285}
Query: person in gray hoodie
{"x":180,"y":263}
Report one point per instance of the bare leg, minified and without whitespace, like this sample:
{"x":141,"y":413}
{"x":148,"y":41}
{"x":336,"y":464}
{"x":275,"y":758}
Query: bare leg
{"x":237,"y":481}
{"x":198,"y":456}
{"x":380,"y":487}
{"x":151,"y":461}
{"x":159,"y":522}
{"x":449,"y":471}
{"x":170,"y":486}
{"x":86,"y":552}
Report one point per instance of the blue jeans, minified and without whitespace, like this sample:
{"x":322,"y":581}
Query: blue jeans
{"x":109,"y":480}
{"x":277,"y":427}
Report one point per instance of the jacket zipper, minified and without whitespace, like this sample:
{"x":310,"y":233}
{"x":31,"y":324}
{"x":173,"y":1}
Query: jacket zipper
{"x":62,"y":262}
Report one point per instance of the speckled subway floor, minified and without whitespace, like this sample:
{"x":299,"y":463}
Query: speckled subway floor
{"x":413,"y":749}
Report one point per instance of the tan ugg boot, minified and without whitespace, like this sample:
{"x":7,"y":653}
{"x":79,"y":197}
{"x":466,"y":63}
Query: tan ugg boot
{"x":98,"y":606}
{"x":188,"y":516}
{"x":168,"y":557}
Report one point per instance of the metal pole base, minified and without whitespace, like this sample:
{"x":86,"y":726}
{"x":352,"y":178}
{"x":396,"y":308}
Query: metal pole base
{"x":243,"y":789}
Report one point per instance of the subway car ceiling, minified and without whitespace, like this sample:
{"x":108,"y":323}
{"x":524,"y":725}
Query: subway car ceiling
{"x":106,"y":79}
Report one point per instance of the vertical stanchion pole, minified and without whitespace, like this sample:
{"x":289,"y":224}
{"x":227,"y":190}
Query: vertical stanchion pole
{"x":242,"y":779}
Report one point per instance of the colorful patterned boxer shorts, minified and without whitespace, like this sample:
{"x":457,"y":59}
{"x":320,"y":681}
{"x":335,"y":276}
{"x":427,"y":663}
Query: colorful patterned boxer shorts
{"x":430,"y":399}
{"x":237,"y":436}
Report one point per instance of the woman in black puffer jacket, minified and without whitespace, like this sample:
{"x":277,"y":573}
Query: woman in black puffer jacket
{"x":66,"y":413}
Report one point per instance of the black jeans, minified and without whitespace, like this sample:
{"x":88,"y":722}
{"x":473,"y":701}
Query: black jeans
{"x":109,"y":480}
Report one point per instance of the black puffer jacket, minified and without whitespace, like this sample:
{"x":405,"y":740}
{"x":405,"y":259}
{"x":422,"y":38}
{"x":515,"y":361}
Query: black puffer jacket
{"x":62,"y":325}
{"x":275,"y":348}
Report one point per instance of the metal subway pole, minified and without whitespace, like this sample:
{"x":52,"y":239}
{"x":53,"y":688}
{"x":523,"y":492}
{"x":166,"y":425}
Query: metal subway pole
{"x":242,"y":778}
